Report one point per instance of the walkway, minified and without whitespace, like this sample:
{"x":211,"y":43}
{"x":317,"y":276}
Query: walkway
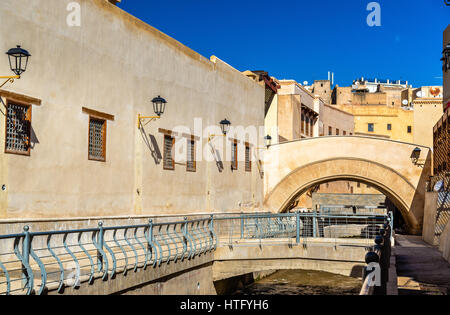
{"x":420,"y":267}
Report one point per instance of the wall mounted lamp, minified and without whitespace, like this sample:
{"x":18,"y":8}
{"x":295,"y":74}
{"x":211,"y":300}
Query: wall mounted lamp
{"x":415,"y":155}
{"x":159,"y":106}
{"x":225,"y":126}
{"x":267,"y":143}
{"x":18,"y":62}
{"x":446,"y":58}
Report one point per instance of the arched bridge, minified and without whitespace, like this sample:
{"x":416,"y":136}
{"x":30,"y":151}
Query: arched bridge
{"x":292,"y":168}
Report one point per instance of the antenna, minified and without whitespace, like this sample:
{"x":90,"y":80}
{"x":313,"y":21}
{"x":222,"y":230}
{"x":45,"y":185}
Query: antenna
{"x":305,"y":82}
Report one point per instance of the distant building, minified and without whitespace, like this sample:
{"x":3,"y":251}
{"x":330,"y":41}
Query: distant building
{"x":300,"y":112}
{"x":387,"y":109}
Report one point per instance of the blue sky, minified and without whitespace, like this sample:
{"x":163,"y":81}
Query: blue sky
{"x":303,"y":40}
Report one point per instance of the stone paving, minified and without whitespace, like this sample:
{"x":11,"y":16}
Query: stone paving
{"x":420,"y":267}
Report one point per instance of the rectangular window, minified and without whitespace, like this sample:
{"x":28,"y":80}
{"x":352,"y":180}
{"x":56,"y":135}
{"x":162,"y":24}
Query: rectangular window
{"x":169,"y":143}
{"x":389,"y":127}
{"x":345,"y":133}
{"x":330,"y":131}
{"x":307,"y":126}
{"x":337,"y":132}
{"x":191,"y":163}
{"x":371,"y":128}
{"x":234,"y":155}
{"x":18,"y":128}
{"x":97,"y":139}
{"x":409,"y":129}
{"x":248,"y":162}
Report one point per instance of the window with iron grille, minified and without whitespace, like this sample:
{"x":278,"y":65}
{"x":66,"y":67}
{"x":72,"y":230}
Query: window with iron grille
{"x":248,"y":162}
{"x":18,"y":127}
{"x":97,"y":139}
{"x":234,"y":155}
{"x":191,"y":163}
{"x":169,"y":162}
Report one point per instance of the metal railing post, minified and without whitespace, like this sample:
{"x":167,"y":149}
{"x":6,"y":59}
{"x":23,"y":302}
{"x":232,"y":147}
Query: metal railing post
{"x":381,"y":249}
{"x":185,"y":237}
{"x":26,"y":247}
{"x":100,"y":243}
{"x":150,"y":238}
{"x":314,"y":222}
{"x":297,"y":219}
{"x":242,"y":226}
{"x":211,"y":232}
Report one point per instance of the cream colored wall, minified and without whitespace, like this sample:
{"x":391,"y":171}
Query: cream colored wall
{"x":116,"y":64}
{"x":271,"y":120}
{"x":337,"y":119}
{"x":426,"y":115}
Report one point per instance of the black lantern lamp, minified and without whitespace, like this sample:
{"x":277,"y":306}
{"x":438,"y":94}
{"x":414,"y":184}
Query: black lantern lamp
{"x":18,"y":59}
{"x":415,"y":155}
{"x":18,"y":62}
{"x":446,"y":58}
{"x":268,"y":141}
{"x":159,"y":106}
{"x":225,"y":125}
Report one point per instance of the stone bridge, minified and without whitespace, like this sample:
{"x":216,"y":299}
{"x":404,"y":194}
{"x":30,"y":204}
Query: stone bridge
{"x":294,"y":167}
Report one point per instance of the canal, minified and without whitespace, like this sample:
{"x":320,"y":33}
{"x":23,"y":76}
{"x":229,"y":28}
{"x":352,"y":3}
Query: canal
{"x":303,"y":282}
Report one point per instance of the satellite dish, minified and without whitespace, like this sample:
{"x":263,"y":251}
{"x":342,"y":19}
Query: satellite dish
{"x":357,"y":83}
{"x":439,"y":185}
{"x":405,"y":102}
{"x":419,"y":94}
{"x":305,"y":83}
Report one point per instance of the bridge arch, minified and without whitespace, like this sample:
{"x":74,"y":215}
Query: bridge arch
{"x":294,"y":167}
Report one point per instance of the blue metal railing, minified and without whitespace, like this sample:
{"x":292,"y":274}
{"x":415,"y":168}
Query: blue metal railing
{"x":36,"y":262}
{"x":57,"y":259}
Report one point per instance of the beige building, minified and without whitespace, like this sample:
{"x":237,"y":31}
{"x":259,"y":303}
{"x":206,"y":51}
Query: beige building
{"x":73,"y":147}
{"x":391,"y":109}
{"x":297,"y":113}
{"x":427,"y":111}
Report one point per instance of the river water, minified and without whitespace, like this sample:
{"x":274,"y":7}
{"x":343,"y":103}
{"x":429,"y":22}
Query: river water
{"x":303,"y":282}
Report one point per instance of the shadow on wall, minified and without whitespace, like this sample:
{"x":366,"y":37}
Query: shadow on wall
{"x":33,"y":138}
{"x":217,"y":158}
{"x":152,"y":145}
